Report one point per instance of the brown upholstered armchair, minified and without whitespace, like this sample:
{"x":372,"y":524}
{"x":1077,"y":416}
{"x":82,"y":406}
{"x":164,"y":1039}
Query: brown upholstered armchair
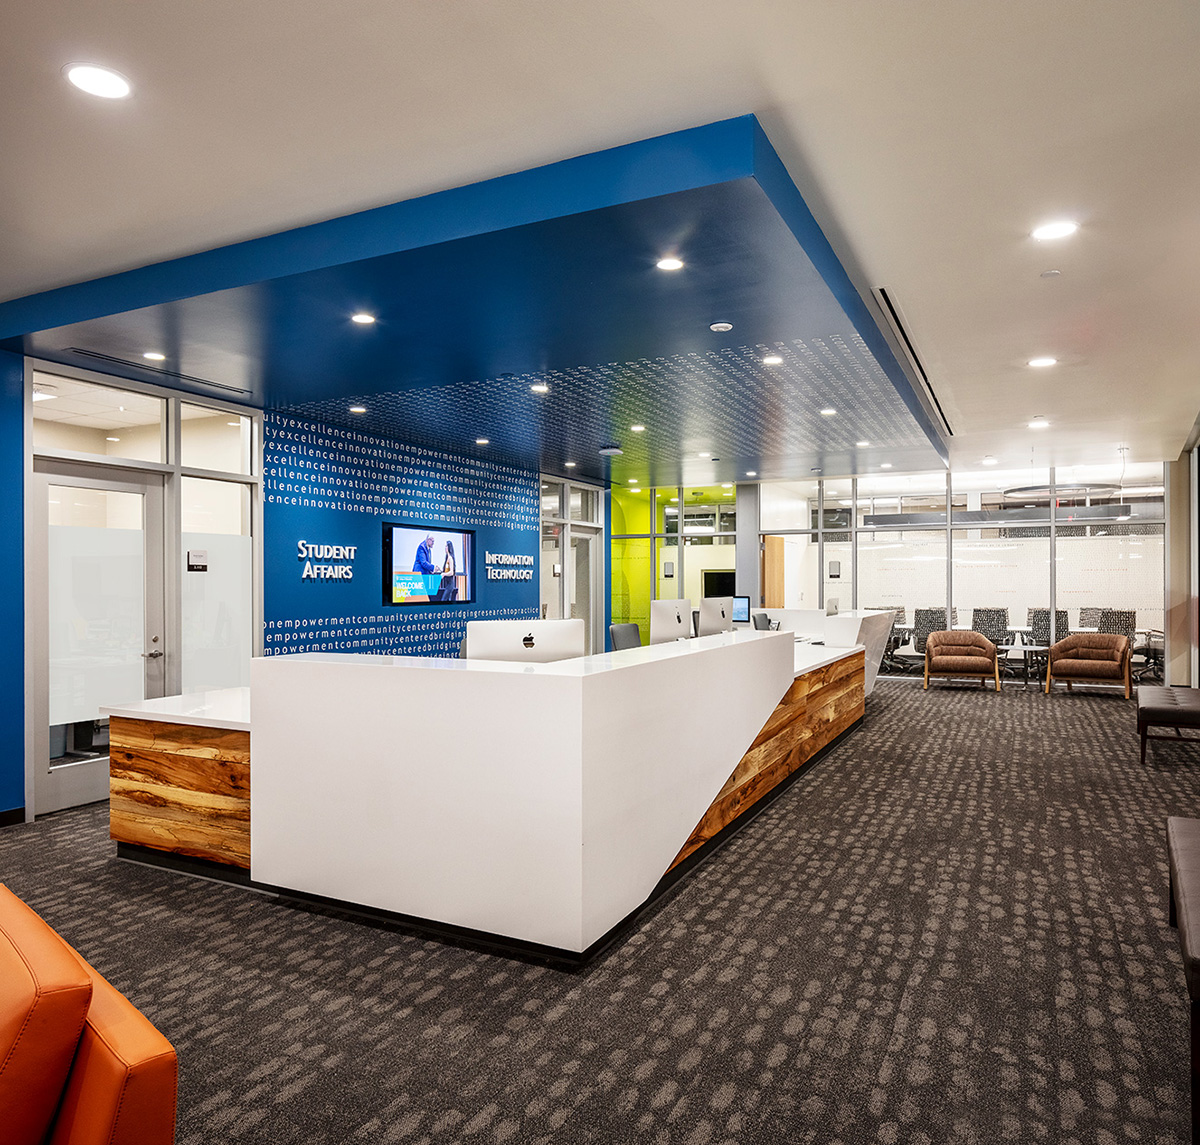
{"x":959,"y":653}
{"x":1094,"y":657}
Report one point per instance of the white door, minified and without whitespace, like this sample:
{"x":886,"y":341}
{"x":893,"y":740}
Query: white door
{"x":98,"y":630}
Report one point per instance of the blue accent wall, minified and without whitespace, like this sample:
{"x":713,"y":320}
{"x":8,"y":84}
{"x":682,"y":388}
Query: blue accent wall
{"x":332,"y":486}
{"x":12,"y":583}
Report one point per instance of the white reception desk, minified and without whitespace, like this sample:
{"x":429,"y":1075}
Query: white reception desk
{"x":539,"y":803}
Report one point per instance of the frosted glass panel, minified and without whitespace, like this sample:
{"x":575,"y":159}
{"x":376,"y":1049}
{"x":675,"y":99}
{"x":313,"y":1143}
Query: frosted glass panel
{"x":97,"y":604}
{"x":217,"y":620}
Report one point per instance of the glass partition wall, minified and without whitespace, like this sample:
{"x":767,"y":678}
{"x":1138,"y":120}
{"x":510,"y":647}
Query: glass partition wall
{"x":670,"y":543}
{"x":1024,"y":556}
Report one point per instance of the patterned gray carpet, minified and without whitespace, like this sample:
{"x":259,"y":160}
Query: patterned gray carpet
{"x":952,"y":930}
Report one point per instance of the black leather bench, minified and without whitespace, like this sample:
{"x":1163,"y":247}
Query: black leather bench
{"x":1158,"y":707}
{"x":1183,"y":851}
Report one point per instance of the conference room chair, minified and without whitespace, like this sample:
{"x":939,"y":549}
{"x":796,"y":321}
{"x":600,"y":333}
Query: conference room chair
{"x":1089,"y":618}
{"x":1039,"y":626}
{"x":761,"y":621}
{"x":992,"y":623}
{"x":1118,"y":622}
{"x":624,"y":636}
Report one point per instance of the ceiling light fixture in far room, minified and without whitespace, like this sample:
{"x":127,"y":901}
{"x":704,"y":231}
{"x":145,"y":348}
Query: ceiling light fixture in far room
{"x":828,"y":411}
{"x":989,"y":460}
{"x":236,"y":424}
{"x":482,"y":441}
{"x":43,"y":396}
{"x":720,"y":327}
{"x":611,"y":451}
{"x":1042,"y":363}
{"x":363,"y":318}
{"x":885,"y":465}
{"x":96,"y":80}
{"x":726,"y":484}
{"x":669,"y":262}
{"x":815,"y":469}
{"x":1039,"y":422}
{"x":634,"y":481}
{"x":112,"y":439}
{"x":772,"y":360}
{"x":540,"y":388}
{"x":638,"y":428}
{"x":358,"y":409}
{"x":1059,"y":229}
{"x":705,"y":456}
{"x":568,"y":465}
{"x":154,"y":356}
{"x":751,"y":472}
{"x":674,"y":500}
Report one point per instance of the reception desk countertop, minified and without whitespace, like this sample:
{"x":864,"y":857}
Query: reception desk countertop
{"x":222,"y":708}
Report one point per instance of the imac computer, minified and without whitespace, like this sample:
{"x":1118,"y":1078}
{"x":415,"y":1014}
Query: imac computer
{"x":741,"y":610}
{"x":525,"y":641}
{"x":670,"y":620}
{"x":716,"y":615}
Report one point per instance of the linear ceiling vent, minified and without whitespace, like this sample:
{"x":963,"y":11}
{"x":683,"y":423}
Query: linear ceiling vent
{"x":143,"y":367}
{"x":891,"y":315}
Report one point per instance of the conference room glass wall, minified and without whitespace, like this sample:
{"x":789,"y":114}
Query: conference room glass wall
{"x":982,"y":550}
{"x":670,"y":543}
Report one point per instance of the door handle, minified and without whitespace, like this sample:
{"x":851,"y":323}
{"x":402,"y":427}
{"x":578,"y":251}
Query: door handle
{"x":153,"y":655}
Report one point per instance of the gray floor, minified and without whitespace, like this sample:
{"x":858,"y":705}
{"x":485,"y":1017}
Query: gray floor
{"x":952,"y":930}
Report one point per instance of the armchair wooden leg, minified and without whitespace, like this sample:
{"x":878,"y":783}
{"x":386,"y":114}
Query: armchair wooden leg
{"x":1049,"y":676}
{"x":1128,"y":692}
{"x":996,"y":667}
{"x":927,"y":673}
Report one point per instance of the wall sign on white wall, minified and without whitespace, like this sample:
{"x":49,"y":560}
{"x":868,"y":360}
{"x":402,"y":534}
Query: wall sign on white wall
{"x":309,"y":553}
{"x":197,"y":560}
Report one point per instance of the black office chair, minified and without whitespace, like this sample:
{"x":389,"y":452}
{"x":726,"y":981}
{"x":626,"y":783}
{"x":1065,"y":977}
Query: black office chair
{"x":761,"y":621}
{"x":695,"y":622}
{"x":624,"y":636}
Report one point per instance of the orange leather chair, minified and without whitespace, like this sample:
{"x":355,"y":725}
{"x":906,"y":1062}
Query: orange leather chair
{"x":79,"y":1064}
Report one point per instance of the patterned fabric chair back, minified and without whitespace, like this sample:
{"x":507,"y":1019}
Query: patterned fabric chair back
{"x":1118,"y":621}
{"x":990,"y":622}
{"x":899,"y":621}
{"x":925,"y":621}
{"x":1039,"y":623}
{"x":1089,"y":618}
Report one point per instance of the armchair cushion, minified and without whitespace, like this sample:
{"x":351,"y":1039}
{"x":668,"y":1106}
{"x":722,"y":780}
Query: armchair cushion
{"x":45,"y":998}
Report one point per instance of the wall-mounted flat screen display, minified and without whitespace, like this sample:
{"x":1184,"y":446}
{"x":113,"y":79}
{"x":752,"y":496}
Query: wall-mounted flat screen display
{"x":427,"y":565}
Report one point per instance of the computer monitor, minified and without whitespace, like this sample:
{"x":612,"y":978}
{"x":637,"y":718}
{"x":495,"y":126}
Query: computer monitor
{"x":716,"y":615}
{"x":741,"y":610}
{"x":670,"y":620}
{"x":525,"y":641}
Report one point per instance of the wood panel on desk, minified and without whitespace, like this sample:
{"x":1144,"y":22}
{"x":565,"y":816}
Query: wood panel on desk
{"x":817,"y":708}
{"x":180,"y":788}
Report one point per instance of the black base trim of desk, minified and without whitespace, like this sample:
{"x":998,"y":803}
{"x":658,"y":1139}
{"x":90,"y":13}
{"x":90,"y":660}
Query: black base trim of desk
{"x":9,"y":818}
{"x":551,"y":956}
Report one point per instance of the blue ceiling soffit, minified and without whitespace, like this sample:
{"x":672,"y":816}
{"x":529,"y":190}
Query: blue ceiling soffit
{"x":547,"y":278}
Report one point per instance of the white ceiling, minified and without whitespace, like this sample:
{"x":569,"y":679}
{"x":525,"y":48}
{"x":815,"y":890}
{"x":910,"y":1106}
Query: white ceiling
{"x":929,"y":137}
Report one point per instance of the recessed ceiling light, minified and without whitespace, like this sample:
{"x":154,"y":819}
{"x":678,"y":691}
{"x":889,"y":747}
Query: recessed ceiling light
{"x":1051,"y":274}
{"x":772,"y":360}
{"x":720,"y":327}
{"x":42,"y":396}
{"x":358,"y":409}
{"x":669,"y":263}
{"x":674,"y":500}
{"x":112,"y":439}
{"x":989,"y":461}
{"x":481,"y":441}
{"x":726,"y":484}
{"x":1039,"y":422}
{"x":704,"y":455}
{"x":1042,"y":363}
{"x":726,"y":494}
{"x":1056,"y":230}
{"x":828,"y":411}
{"x":885,"y":465}
{"x":155,"y":356}
{"x":362,"y":318}
{"x":751,"y":472}
{"x":638,"y":428}
{"x":540,"y":388}
{"x":815,"y":469}
{"x":96,"y":80}
{"x":633,"y":481}
{"x":235,"y":423}
{"x":861,"y":444}
{"x":568,"y":465}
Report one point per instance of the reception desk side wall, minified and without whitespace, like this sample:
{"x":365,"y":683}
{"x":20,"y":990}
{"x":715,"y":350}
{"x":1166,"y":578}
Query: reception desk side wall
{"x":539,"y":802}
